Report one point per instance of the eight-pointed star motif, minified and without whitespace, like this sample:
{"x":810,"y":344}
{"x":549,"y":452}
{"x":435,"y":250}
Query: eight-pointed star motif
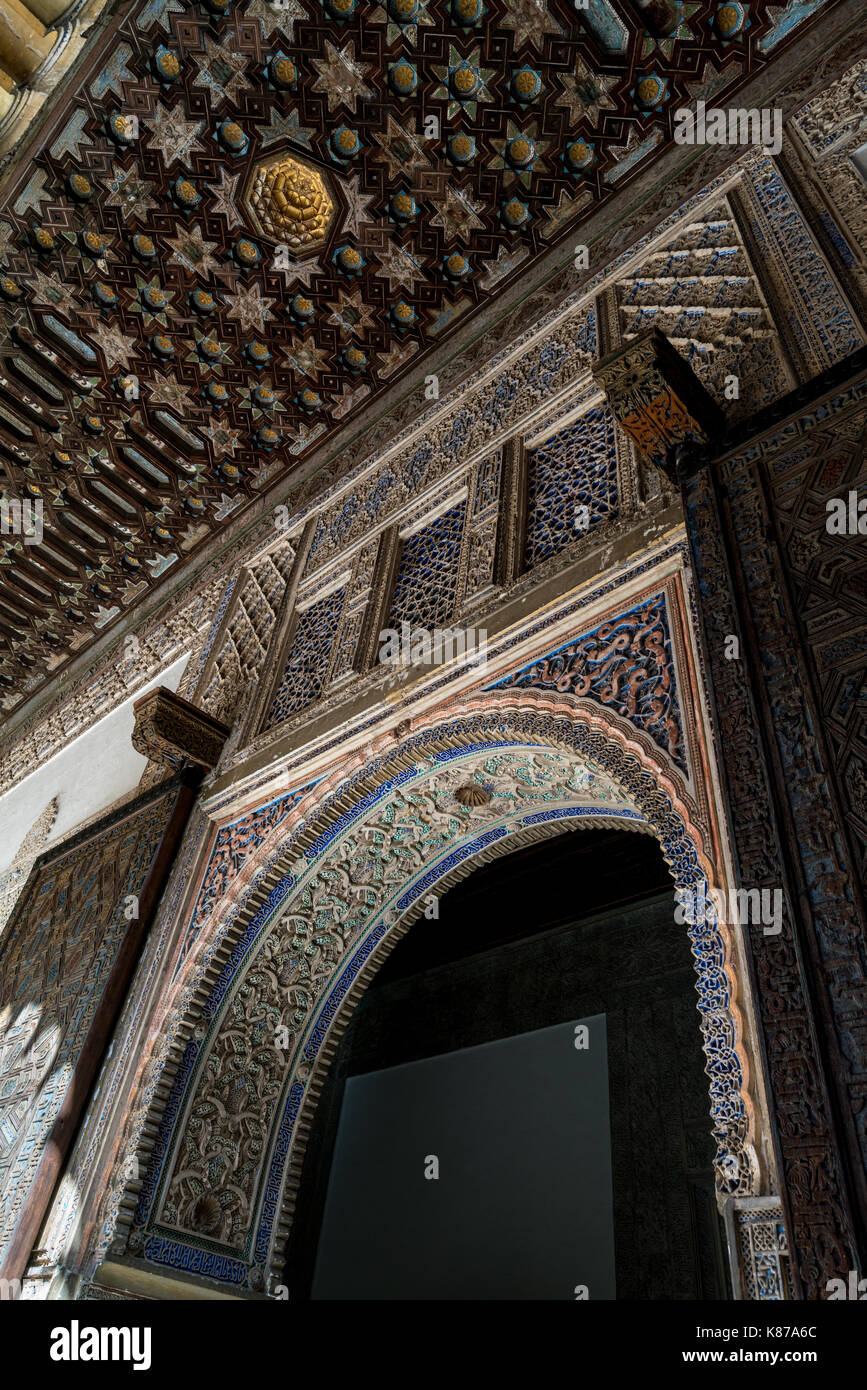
{"x":167,"y":390}
{"x":173,"y":135}
{"x":351,"y":315}
{"x":401,"y":267}
{"x":48,"y":289}
{"x":273,"y":16}
{"x":400,"y":149}
{"x":357,"y":215}
{"x":250,"y":307}
{"x":116,"y":346}
{"x":194,"y":253}
{"x":585,"y":93}
{"x":129,"y":193}
{"x":457,"y":214}
{"x":341,"y":76}
{"x":531,"y":21}
{"x":222,"y":70}
{"x":302,"y":271}
{"x":309,"y":360}
{"x":224,"y":439}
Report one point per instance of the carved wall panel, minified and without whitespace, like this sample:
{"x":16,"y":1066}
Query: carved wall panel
{"x":626,"y":663}
{"x":56,"y":956}
{"x":817,"y":320}
{"x":701,"y":290}
{"x":791,"y":589}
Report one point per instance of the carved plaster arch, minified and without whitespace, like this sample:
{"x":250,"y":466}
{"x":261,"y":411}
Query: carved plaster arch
{"x":224,"y":1140}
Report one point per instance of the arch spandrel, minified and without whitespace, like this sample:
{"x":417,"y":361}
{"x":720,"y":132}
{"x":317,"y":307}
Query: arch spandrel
{"x":220,"y":1180}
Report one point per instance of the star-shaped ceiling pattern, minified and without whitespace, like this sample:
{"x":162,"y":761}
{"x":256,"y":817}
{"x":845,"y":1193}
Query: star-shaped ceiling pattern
{"x":165,"y":355}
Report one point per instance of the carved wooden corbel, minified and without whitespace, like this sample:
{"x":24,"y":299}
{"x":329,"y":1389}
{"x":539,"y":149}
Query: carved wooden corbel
{"x":171,"y":731}
{"x":658,"y":401}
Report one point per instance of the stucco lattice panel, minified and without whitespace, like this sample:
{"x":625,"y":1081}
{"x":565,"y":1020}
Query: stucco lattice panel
{"x":480,"y":543}
{"x":427,"y":577}
{"x":700,"y":290}
{"x":56,"y":957}
{"x":306,"y":670}
{"x":817,"y":316}
{"x":576,"y":468}
{"x":358,"y":594}
{"x":245,"y":645}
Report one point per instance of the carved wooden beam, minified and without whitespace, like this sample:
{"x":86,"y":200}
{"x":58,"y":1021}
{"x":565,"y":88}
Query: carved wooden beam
{"x":658,"y":400}
{"x":171,"y":731}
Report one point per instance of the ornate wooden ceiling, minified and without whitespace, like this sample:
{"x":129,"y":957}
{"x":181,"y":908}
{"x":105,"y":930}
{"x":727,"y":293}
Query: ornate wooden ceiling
{"x":244,"y":220}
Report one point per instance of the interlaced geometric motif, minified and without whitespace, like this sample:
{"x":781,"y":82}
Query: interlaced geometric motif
{"x":426,"y":583}
{"x":309,"y":658}
{"x":830,"y":592}
{"x":574,"y":469}
{"x":55,"y":958}
{"x":626,"y":663}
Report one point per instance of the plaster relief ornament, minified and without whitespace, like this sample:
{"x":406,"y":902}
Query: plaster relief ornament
{"x":335,"y":899}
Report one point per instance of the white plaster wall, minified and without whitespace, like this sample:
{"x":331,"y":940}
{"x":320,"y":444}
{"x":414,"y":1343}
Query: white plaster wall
{"x":89,"y":774}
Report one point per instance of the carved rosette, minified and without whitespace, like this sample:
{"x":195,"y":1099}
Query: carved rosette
{"x":657,"y":399}
{"x":171,"y":731}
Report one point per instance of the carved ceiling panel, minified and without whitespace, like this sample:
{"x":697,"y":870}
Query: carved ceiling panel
{"x":242,"y":221}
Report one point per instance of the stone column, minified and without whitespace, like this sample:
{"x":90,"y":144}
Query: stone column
{"x":25,"y":42}
{"x":49,"y":11}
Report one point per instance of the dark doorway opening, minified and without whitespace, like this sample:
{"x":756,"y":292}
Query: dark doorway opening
{"x":576,"y":926}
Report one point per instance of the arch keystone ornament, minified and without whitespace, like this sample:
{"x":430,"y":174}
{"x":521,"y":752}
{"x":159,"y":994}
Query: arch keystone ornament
{"x":228,"y":1099}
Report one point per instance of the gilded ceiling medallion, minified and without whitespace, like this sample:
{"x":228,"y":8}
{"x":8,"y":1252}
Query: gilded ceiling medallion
{"x":290,"y":202}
